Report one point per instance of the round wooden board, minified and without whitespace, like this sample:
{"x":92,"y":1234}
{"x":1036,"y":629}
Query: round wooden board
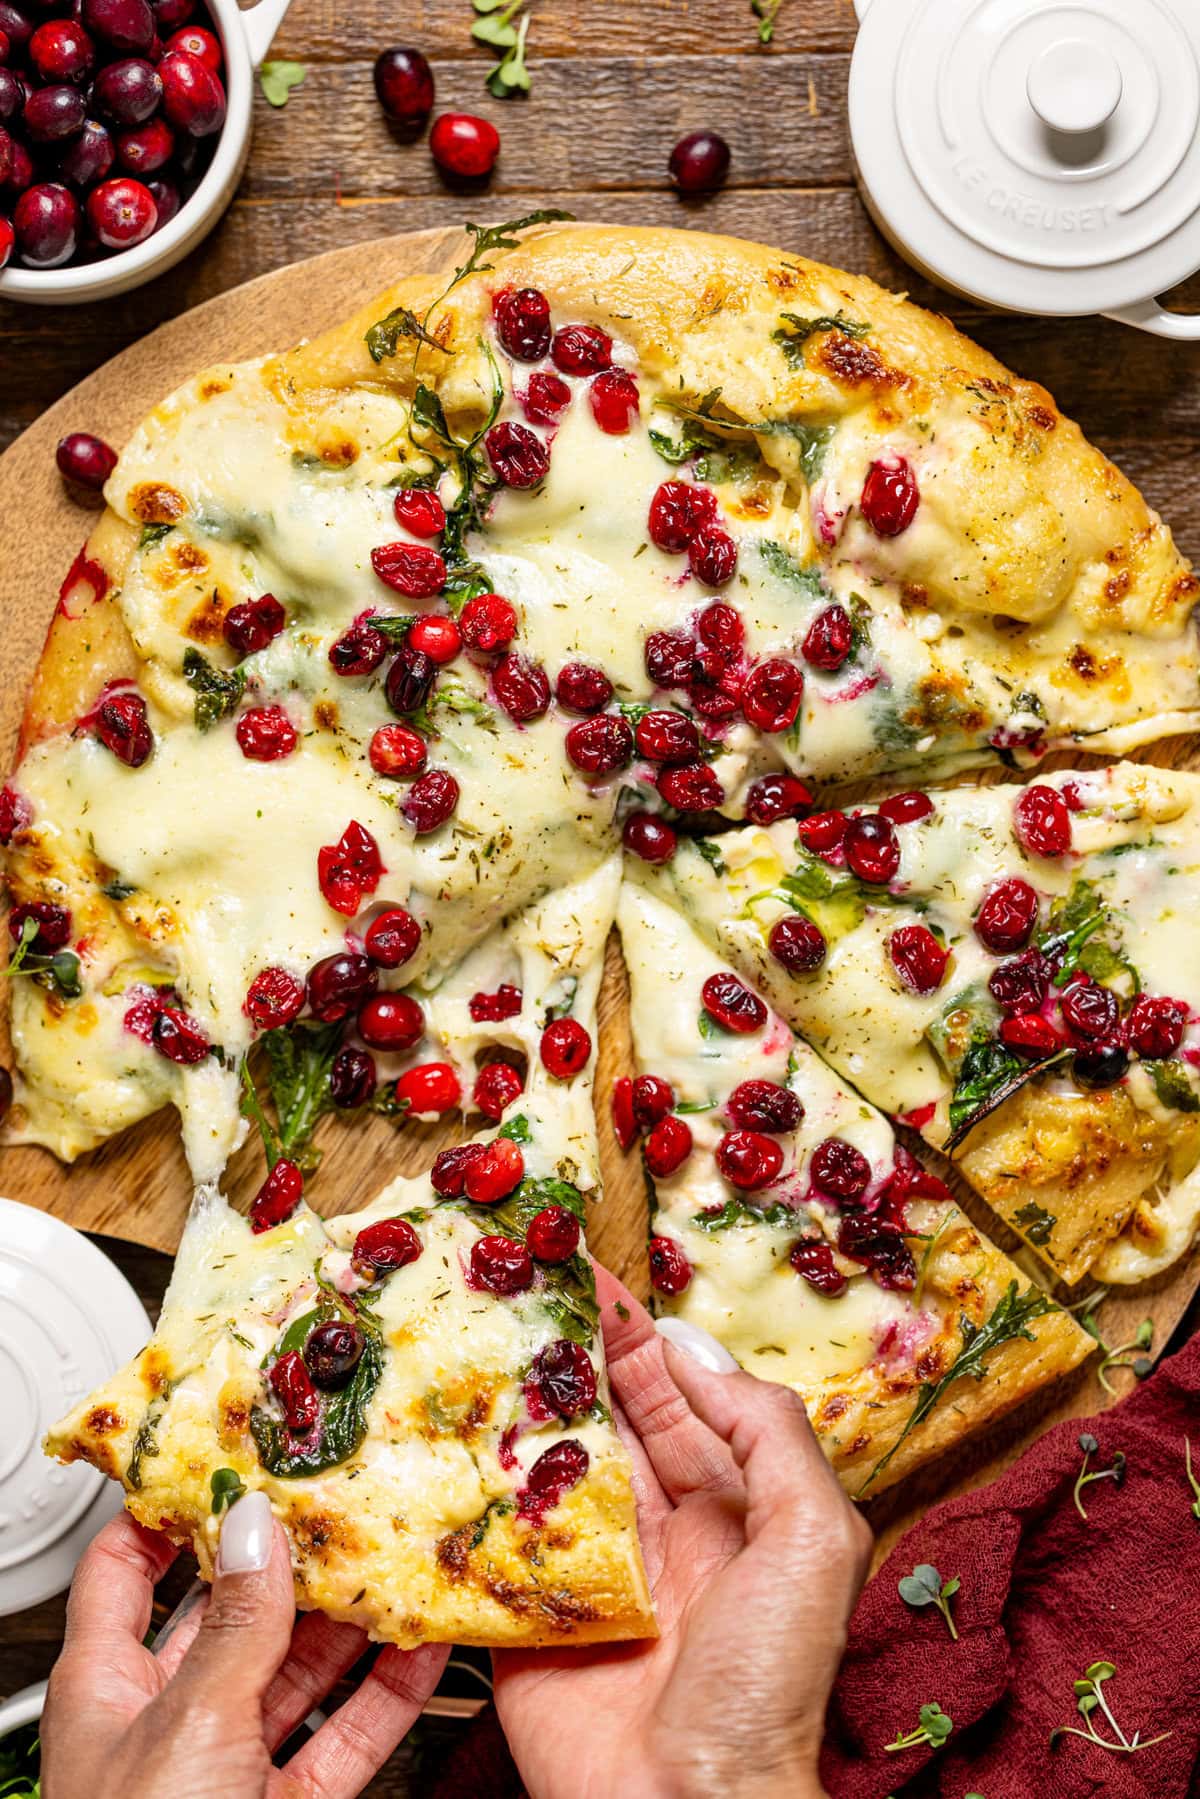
{"x":137,"y":1186}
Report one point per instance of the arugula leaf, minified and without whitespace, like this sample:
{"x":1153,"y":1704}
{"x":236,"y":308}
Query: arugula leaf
{"x":716,"y":459}
{"x":1083,"y":934}
{"x":516,"y":1130}
{"x":812,"y":441}
{"x":569,"y":1296}
{"x":227,"y":1486}
{"x":792,"y":336}
{"x":989,"y":1075}
{"x":152,"y":534}
{"x":737,"y":1211}
{"x":277,"y":79}
{"x":342,"y":1423}
{"x":145,"y":1442}
{"x":217,"y":694}
{"x":58,"y":973}
{"x":299,"y":1059}
{"x":384,"y":337}
{"x":707,"y":849}
{"x":806,"y":576}
{"x":1035,"y":1222}
{"x":501,"y":237}
{"x":1172,"y":1086}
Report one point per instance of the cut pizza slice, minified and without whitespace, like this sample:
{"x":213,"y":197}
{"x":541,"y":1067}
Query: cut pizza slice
{"x":1013,"y":971}
{"x":791,"y":1224}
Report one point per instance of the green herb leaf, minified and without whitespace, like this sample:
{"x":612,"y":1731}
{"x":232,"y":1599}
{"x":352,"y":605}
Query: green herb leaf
{"x":784,"y":566}
{"x":145,"y":1442}
{"x":738,"y":1211}
{"x":152,"y":534}
{"x":1036,"y":1223}
{"x":1172,"y":1085}
{"x":989,"y":1075}
{"x":227,"y":1486}
{"x":394,"y":628}
{"x":217,"y":694}
{"x":117,"y":891}
{"x":20,"y":1764}
{"x":516,"y":1130}
{"x":299,"y":1061}
{"x":386,"y":334}
{"x":765,"y":11}
{"x":277,"y":79}
{"x":342,"y":1423}
{"x":708,"y":851}
{"x":925,"y":1586}
{"x":58,"y":972}
{"x":792,"y":336}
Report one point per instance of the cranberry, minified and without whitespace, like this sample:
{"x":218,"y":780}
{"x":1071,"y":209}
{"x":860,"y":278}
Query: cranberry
{"x":412,"y":569}
{"x":839,"y":1169}
{"x":523,"y":323}
{"x":387,"y":1244}
{"x":252,"y":624}
{"x":764,"y":1106}
{"x":552,"y":1476}
{"x":12,"y":90}
{"x":61,"y":50}
{"x":518,"y":457}
{"x":122,"y":726}
{"x":906,"y":808}
{"x":553,"y":1235}
{"x":5,"y":47}
{"x":419,"y":511}
{"x":409,"y":679}
{"x":562,"y":1381}
{"x":430,"y":800}
{"x":45,"y":223}
{"x":699,"y":162}
{"x":890,"y":497}
{"x":715,"y":685}
{"x":430,"y":1088}
{"x":338,"y":984}
{"x":667,"y":736}
{"x":170,"y":14}
{"x":128,"y":92}
{"x":670,"y":1270}
{"x":522,"y":688}
{"x":1042,"y":822}
{"x":828,"y":639}
{"x":732,"y":1005}
{"x":86,"y":460}
{"x":275,"y":997}
{"x":1021,"y":985}
{"x":493,"y":1008}
{"x":449,"y":1172}
{"x":464,"y":146}
{"x":1031,"y":1036}
{"x":54,"y":113}
{"x":1089,"y":1010}
{"x":179,"y":1038}
{"x":624,"y":1123}
{"x":488,"y":622}
{"x":582,"y":688}
{"x":797,"y":944}
{"x":651,"y":1098}
{"x":333,"y":1352}
{"x":393,"y":938}
{"x":193,"y":98}
{"x":121,"y":212}
{"x":493,"y":1175}
{"x":1100,"y":1064}
{"x":16,"y":28}
{"x":713,"y":556}
{"x":601,"y":745}
{"x":813,"y":1258}
{"x":824,"y":833}
{"x":53,"y":922}
{"x":649,"y":837}
{"x":776,"y":796}
{"x":292,"y":1385}
{"x":437,"y":637}
{"x":668,"y":658}
{"x":772,"y":694}
{"x":145,"y":150}
{"x":1007,"y":916}
{"x":581,"y":350}
{"x":15,"y":814}
{"x":748,"y":1160}
{"x":352,"y":1079}
{"x":566,"y":1048}
{"x":872,"y":849}
{"x":397,"y":751}
{"x":677,"y":512}
{"x":614,"y":398}
{"x":501,"y":1264}
{"x":668,"y":1147}
{"x":349,"y":869}
{"x":1156,"y":1025}
{"x":404,"y":86}
{"x":496,"y":1086}
{"x":918,"y":958}
{"x":391,"y":1021}
{"x":128,"y":25}
{"x":692,"y":788}
{"x":720,"y":628}
{"x":199,"y":43}
{"x":546,"y":398}
{"x":358,"y":651}
{"x":266,"y":734}
{"x":881,"y":1246}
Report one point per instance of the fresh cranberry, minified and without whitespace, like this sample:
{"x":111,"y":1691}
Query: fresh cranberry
{"x":397,"y":752}
{"x":614,"y":398}
{"x":277,"y":1198}
{"x":352,"y":1078}
{"x":45,"y":223}
{"x":1007,"y":916}
{"x":668,"y":656}
{"x":15,"y":814}
{"x":1042,"y":822}
{"x":61,"y":50}
{"x":668,"y":1147}
{"x":748,"y":1160}
{"x":86,"y":460}
{"x":545,"y":399}
{"x":764,"y":1106}
{"x":918,"y":958}
{"x":1100,"y":1064}
{"x":430,"y":800}
{"x":464,"y":146}
{"x":5,"y":47}
{"x":651,"y":1098}
{"x":171,"y":14}
{"x":349,"y":869}
{"x":412,"y":569}
{"x":552,"y":1476}
{"x":129,"y":92}
{"x":496,"y":1086}
{"x":393,"y":938}
{"x":730,"y":1003}
{"x":1089,"y":1010}
{"x":523,"y":323}
{"x":601,"y":745}
{"x":561,"y":1381}
{"x":199,"y":43}
{"x":890,"y":497}
{"x":553,"y":1235}
{"x":193,"y":97}
{"x":839,"y":1169}
{"x":53,"y":922}
{"x":667,"y":736}
{"x":1156,"y":1025}
{"x":495,"y":1174}
{"x":12,"y":89}
{"x":123,"y":727}
{"x":565,"y":1049}
{"x":813,"y":1258}
{"x":179,"y":1038}
{"x":649,"y":837}
{"x":338,"y":984}
{"x":670,"y":1270}
{"x":121,"y":212}
{"x":881,"y":1246}
{"x":713,"y":556}
{"x":797,"y":944}
{"x":387,"y":1244}
{"x":906,"y":808}
{"x":128,"y":25}
{"x":828,"y":639}
{"x":449,"y":1171}
{"x":292,"y":1385}
{"x":582,"y":688}
{"x":488,"y":622}
{"x":430,"y":1088}
{"x":410,"y":678}
{"x":404,"y":87}
{"x":522,"y":688}
{"x":437,"y":637}
{"x":581,"y":350}
{"x":1030,"y":1035}
{"x":823,"y":833}
{"x":501,"y":1264}
{"x":266,"y":734}
{"x":692,"y":788}
{"x":145,"y":150}
{"x":252,"y":624}
{"x":1021,"y":984}
{"x":274,"y":998}
{"x":677,"y":512}
{"x":699,"y":162}
{"x":776,"y":796}
{"x":772,"y":694}
{"x":391,"y":1021}
{"x":332,"y":1353}
{"x":54,"y":113}
{"x":519,"y":458}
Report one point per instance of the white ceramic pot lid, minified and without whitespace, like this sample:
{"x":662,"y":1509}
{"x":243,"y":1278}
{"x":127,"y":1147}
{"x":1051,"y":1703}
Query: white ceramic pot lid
{"x":68,"y":1319}
{"x":1042,"y":155}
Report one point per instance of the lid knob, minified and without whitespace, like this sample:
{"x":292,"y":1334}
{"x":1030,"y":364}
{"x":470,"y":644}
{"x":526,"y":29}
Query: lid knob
{"x":1074,"y":86}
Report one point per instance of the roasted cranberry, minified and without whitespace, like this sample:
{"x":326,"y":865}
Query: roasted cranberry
{"x":493,"y":1175}
{"x":546,"y":398}
{"x":127,"y":25}
{"x":918,"y":958}
{"x":412,"y":569}
{"x":823,"y":833}
{"x":492,"y":1008}
{"x":600,"y":745}
{"x":352,"y":1078}
{"x":253,"y":624}
{"x":1156,"y":1025}
{"x":128,"y":92}
{"x":581,"y":350}
{"x":839,"y":1169}
{"x":828,"y":639}
{"x":430,"y":800}
{"x":880,"y":1244}
{"x":1042,"y":822}
{"x":1007,"y":916}
{"x":730,"y":1003}
{"x":1100,"y":1064}
{"x":404,"y":87}
{"x":553,"y":1236}
{"x":449,"y":1171}
{"x":358,"y":651}
{"x":713,"y":556}
{"x":552,"y":1476}
{"x":391,"y":1021}
{"x":715,"y":686}
{"x":666,"y":736}
{"x":649,"y":837}
{"x":409,"y":679}
{"x":266,"y":734}
{"x":122,"y":726}
{"x":772,"y":694}
{"x":464,"y":146}
{"x":872,"y":848}
{"x":1021,"y":984}
{"x":720,"y":628}
{"x":387,"y":1244}
{"x":614,"y":398}
{"x":61,"y":50}
{"x":906,"y":808}
{"x":764,"y":1106}
{"x":668,"y":1147}
{"x":670,"y":1270}
{"x":651,"y":1098}
{"x":437,"y":637}
{"x":15,"y":814}
{"x":699,"y":162}
{"x":890,"y":497}
{"x":332,"y":1352}
{"x":53,"y":922}
{"x":496,"y":1086}
{"x":582,"y":688}
{"x":668,"y":657}
{"x":45,"y":223}
{"x":338,"y":984}
{"x":692,"y":788}
{"x":678,"y":511}
{"x":274,"y":998}
{"x":500,"y":1264}
{"x":429,"y":1089}
{"x":488,"y":622}
{"x":1030,"y":1035}
{"x":523,"y":323}
{"x":523,"y":689}
{"x":54,"y":113}
{"x":193,"y":98}
{"x":179,"y":1038}
{"x":350,"y":869}
{"x":813,"y":1258}
{"x":145,"y":150}
{"x":419,"y":511}
{"x":397,"y":751}
{"x":776,"y":796}
{"x":86,"y":460}
{"x":797,"y":944}
{"x":563,"y":1380}
{"x":292,"y":1385}
{"x":565,"y":1049}
{"x":393,"y":938}
{"x":519,"y":458}
{"x":1089,"y":1010}
{"x":748,"y":1160}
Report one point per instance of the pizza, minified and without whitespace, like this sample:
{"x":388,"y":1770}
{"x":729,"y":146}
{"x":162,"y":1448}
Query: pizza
{"x":395,"y":653}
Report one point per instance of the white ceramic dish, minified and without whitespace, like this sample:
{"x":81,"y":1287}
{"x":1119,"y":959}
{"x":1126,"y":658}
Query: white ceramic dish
{"x":245,"y":38}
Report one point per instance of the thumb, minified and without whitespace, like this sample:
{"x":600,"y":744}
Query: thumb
{"x":247,"y":1627}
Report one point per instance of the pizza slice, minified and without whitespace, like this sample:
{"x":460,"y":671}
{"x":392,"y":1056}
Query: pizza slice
{"x":790,"y":1224}
{"x":1010,"y":970}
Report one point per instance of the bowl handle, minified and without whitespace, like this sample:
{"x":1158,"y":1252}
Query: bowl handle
{"x":1148,"y":315}
{"x":260,"y":23}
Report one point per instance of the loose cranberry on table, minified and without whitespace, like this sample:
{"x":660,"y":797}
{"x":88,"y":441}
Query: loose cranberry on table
{"x":252,"y":624}
{"x":496,"y":1086}
{"x":437,"y":637}
{"x":265,"y":734}
{"x":275,"y":997}
{"x":797,"y":944}
{"x":519,"y":458}
{"x":464,"y":146}
{"x":46,"y":220}
{"x":582,"y":688}
{"x":670,"y":1270}
{"x":488,"y":622}
{"x":649,"y":837}
{"x":404,"y":87}
{"x":431,"y":1088}
{"x":392,"y":938}
{"x":352,"y":1078}
{"x":379,"y":1248}
{"x":122,"y":725}
{"x":601,"y":745}
{"x":614,"y":401}
{"x":565,"y":1049}
{"x":918,"y":958}
{"x":773,"y":797}
{"x":85,"y":460}
{"x":890,"y":497}
{"x":338,"y":984}
{"x":431,"y":800}
{"x":1042,"y":821}
{"x":699,"y":162}
{"x":730,"y":1003}
{"x":553,"y":1236}
{"x":522,"y":318}
{"x":1006,"y":919}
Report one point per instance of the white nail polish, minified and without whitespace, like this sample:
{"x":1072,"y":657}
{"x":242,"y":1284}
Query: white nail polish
{"x":696,"y":1343}
{"x":246,"y":1536}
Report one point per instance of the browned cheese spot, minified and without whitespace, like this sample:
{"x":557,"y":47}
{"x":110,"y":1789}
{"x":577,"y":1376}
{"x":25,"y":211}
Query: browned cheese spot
{"x":154,"y":503}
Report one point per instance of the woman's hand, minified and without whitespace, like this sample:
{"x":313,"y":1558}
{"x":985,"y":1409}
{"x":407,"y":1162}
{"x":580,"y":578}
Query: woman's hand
{"x":755,"y":1558}
{"x":230,"y":1677}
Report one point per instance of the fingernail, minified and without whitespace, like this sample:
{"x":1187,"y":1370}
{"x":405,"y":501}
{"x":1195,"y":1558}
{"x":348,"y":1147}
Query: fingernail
{"x":696,"y":1343}
{"x":246,"y":1536}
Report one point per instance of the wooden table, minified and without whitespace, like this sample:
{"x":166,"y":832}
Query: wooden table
{"x":614,"y":86}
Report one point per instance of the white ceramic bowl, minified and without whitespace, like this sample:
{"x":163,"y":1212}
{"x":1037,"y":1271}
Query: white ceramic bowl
{"x":245,"y":38}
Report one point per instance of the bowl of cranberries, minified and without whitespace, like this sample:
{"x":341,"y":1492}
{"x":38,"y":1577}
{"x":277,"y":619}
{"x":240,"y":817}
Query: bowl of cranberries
{"x":124,"y":129}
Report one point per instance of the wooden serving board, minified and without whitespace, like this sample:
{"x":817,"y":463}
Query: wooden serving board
{"x":137,"y":1186}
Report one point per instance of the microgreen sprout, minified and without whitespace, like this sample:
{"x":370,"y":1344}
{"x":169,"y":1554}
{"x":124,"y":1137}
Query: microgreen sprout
{"x":1122,"y":1355}
{"x":1089,"y":1698}
{"x":1084,"y":1478}
{"x":1193,"y":1483}
{"x":925,"y":1586}
{"x":934,"y":1727}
